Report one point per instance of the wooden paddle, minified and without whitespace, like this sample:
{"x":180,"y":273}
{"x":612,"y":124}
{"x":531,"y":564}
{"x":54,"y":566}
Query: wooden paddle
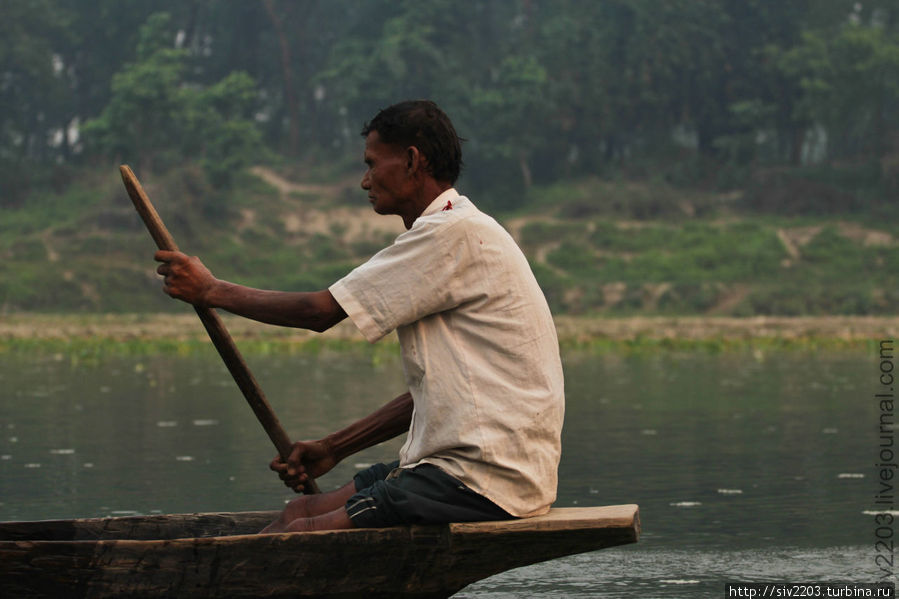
{"x":216,"y":329}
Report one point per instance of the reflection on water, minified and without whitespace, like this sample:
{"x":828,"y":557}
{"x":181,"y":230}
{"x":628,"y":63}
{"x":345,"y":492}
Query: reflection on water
{"x":644,"y":571}
{"x":746,"y":467}
{"x":168,"y":434}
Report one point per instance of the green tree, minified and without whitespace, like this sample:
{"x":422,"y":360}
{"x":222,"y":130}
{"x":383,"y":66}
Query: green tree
{"x":230,"y":138}
{"x":33,"y":90}
{"x":157,"y":117}
{"x":513,"y":109}
{"x":144,"y":120}
{"x":849,"y":84}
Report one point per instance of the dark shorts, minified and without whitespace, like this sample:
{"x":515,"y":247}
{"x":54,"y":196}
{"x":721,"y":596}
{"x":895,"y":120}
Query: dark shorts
{"x":387,"y":495}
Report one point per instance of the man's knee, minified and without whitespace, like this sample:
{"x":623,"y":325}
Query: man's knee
{"x":296,"y":508}
{"x":310,"y":506}
{"x":334,"y":520}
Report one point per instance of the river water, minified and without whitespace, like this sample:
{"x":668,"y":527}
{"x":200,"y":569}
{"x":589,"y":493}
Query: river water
{"x":747,"y":466}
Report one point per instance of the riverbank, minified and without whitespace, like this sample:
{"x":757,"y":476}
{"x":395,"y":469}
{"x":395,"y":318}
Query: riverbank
{"x":151,"y":333}
{"x":598,"y":247}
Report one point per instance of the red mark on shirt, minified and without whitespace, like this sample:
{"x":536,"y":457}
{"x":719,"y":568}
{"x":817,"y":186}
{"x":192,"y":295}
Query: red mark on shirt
{"x":449,"y":206}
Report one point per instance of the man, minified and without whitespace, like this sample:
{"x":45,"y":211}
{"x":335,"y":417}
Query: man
{"x":485,"y":402}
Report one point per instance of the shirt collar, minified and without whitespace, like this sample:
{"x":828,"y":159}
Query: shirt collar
{"x":447,"y":198}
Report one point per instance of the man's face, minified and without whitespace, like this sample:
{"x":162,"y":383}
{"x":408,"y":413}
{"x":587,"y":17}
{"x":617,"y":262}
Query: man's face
{"x":388,"y":182}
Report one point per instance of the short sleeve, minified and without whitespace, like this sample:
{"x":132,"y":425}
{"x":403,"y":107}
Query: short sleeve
{"x":405,"y":282}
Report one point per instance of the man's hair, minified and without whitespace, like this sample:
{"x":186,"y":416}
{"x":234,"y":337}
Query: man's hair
{"x":422,"y":124}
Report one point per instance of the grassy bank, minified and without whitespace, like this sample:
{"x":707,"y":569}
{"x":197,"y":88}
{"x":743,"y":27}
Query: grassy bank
{"x":599,"y":248}
{"x":76,"y":337}
{"x":626,"y":248}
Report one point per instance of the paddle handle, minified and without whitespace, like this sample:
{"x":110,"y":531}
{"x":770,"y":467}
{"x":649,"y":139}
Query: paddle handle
{"x":219,"y":335}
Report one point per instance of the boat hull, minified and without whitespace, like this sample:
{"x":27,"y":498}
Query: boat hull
{"x":214,"y":555}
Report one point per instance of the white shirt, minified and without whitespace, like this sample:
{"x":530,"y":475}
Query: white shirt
{"x":479,"y":349}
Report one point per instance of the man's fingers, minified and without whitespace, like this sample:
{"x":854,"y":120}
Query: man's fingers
{"x":297,"y":483}
{"x":164,"y":255}
{"x":291,"y":471}
{"x":293,"y":459}
{"x":289,"y":477}
{"x":287,"y":471}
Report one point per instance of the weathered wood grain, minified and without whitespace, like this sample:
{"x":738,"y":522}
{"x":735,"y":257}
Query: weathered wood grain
{"x":416,"y":561}
{"x":137,"y":528}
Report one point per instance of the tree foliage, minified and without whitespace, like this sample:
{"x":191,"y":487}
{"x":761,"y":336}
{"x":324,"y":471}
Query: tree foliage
{"x":541,"y":89}
{"x":849,"y":84}
{"x":157,"y":117}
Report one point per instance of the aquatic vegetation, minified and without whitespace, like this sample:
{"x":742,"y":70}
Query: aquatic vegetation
{"x":85,"y":351}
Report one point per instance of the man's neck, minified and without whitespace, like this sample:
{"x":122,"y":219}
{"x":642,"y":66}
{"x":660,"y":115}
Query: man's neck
{"x":427,"y":194}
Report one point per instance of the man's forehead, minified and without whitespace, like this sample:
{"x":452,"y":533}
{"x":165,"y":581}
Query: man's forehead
{"x":373,"y":137}
{"x":373,"y":144}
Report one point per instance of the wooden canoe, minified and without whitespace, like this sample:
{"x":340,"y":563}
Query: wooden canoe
{"x":219,"y":555}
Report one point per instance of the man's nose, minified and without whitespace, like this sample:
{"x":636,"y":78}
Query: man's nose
{"x":365,"y":184}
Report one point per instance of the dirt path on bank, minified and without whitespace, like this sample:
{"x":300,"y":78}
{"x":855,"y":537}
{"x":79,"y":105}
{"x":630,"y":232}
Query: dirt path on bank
{"x":349,"y":223}
{"x":286,"y":187}
{"x":187,"y":326}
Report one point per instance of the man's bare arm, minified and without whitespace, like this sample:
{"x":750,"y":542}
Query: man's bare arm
{"x":315,"y":310}
{"x":385,"y":423}
{"x":315,"y":458}
{"x":187,"y":279}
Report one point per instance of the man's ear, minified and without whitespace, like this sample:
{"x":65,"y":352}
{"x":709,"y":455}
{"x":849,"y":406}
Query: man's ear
{"x":415,"y":160}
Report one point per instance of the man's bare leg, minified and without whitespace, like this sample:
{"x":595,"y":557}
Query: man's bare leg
{"x":335,"y":520}
{"x":312,"y":506}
